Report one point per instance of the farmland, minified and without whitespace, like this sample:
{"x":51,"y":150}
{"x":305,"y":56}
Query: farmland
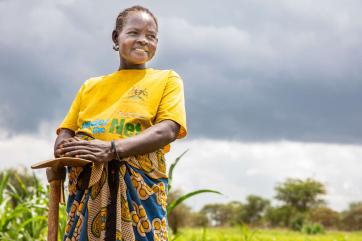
{"x":244,"y":234}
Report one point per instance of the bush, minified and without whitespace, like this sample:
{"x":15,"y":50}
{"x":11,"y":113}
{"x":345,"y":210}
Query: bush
{"x":297,"y":222}
{"x":313,"y":228}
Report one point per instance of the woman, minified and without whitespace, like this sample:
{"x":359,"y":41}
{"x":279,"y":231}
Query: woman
{"x":123,"y":122}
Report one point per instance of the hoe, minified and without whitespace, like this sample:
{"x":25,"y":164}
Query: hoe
{"x":56,"y":175}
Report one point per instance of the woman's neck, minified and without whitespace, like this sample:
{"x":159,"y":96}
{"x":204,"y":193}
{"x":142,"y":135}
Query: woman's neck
{"x":132,"y":66}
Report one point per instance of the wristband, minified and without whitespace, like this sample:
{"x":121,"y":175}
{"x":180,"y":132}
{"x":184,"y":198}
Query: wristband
{"x":114,"y":150}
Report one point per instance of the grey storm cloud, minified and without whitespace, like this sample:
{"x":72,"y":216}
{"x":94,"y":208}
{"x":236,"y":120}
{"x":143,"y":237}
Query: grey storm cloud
{"x":253,"y":70}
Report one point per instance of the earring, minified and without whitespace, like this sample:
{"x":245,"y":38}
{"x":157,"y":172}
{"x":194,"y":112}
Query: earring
{"x":116,"y":47}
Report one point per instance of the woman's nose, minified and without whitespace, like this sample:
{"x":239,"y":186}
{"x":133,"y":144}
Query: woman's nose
{"x":142,"y":40}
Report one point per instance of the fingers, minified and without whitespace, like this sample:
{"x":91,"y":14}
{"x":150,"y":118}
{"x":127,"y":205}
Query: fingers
{"x":60,"y":145}
{"x":74,"y":148}
{"x":57,"y":154}
{"x":87,"y":154}
{"x":74,"y":142}
{"x":89,"y":157}
{"x":78,"y":152}
{"x":70,"y":139}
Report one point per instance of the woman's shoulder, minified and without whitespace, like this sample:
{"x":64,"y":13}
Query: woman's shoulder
{"x":92,"y":81}
{"x":166,"y":73}
{"x":97,"y":81}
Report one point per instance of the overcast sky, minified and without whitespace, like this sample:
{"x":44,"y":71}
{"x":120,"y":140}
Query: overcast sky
{"x":261,"y":75}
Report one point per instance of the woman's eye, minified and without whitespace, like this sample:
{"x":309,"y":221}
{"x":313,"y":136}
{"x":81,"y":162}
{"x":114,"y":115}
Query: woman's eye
{"x":132,"y":32}
{"x":151,"y":36}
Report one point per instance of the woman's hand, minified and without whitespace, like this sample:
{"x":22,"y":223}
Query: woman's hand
{"x":93,"y":150}
{"x":63,"y":136}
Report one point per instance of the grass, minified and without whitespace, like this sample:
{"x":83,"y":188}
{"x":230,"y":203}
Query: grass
{"x":245,"y":234}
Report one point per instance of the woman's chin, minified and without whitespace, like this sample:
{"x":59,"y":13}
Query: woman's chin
{"x":137,"y":62}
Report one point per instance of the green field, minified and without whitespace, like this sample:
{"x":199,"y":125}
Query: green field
{"x":240,"y":234}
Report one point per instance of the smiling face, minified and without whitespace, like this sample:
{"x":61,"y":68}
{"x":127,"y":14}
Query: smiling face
{"x":137,"y":40}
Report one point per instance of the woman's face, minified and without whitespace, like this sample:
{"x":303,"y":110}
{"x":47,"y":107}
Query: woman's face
{"x":137,"y":41}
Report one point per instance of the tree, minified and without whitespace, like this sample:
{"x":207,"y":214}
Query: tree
{"x":198,"y":219}
{"x":325,"y":216}
{"x":236,"y":209}
{"x":279,"y":216}
{"x":218,"y":214}
{"x":254,"y":209}
{"x":299,"y":194}
{"x":179,"y":217}
{"x":352,"y":218}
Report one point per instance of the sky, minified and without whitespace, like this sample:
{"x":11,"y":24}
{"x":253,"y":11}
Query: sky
{"x":273,"y":88}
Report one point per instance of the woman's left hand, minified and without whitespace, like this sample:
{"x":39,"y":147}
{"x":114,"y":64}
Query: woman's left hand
{"x":93,"y":150}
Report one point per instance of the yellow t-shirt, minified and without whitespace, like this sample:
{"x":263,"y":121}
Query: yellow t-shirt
{"x":126,"y":102}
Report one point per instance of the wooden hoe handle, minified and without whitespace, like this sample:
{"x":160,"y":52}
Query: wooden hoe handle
{"x":56,"y":176}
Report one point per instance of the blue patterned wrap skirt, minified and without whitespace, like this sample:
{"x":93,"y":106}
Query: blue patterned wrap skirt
{"x":120,"y":200}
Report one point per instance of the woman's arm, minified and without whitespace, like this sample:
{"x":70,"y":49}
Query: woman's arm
{"x":150,"y":140}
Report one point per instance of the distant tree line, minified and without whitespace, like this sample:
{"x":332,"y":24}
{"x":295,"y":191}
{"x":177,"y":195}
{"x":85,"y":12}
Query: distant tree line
{"x":300,"y":206}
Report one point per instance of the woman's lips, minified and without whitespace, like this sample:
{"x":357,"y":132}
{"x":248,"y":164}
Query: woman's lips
{"x":141,"y":50}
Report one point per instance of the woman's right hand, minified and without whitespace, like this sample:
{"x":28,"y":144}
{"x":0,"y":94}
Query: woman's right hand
{"x":64,"y":135}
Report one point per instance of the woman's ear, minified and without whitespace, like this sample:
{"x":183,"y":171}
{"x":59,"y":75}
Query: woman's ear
{"x":115,"y":37}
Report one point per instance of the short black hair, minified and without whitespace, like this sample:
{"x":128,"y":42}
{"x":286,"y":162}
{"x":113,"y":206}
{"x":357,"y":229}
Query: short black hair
{"x":122,"y":16}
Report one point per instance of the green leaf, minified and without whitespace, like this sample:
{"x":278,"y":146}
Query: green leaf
{"x":14,"y":193}
{"x":176,"y":202}
{"x":21,"y":184}
{"x":42,"y":219}
{"x":170,"y":170}
{"x":3,"y":183}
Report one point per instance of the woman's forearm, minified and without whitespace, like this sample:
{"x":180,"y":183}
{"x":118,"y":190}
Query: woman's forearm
{"x":149,"y":140}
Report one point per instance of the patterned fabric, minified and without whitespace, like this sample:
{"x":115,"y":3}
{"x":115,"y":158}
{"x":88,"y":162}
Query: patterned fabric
{"x":123,"y":201}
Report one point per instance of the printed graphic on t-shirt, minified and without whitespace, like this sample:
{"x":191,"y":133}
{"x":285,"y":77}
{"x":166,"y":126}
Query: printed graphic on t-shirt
{"x":122,"y":128}
{"x":137,"y":93}
{"x":125,"y":125}
{"x":97,"y":126}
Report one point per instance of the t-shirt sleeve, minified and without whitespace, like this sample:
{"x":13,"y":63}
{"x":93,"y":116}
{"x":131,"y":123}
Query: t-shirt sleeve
{"x":172,"y":105}
{"x":71,"y":119}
